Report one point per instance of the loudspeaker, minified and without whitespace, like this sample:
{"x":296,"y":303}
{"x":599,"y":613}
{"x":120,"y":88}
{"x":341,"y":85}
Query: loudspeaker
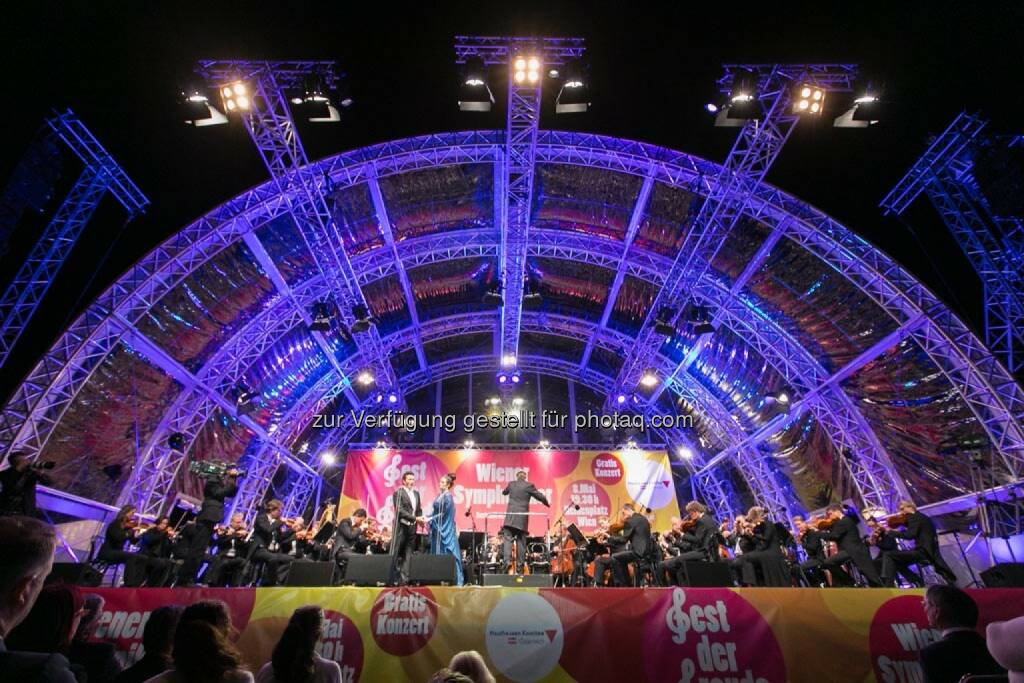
{"x":427,"y":570}
{"x":306,"y":573}
{"x":1003,"y":575}
{"x":706,"y":574}
{"x":520,"y":580}
{"x":368,"y":570}
{"x":78,"y":573}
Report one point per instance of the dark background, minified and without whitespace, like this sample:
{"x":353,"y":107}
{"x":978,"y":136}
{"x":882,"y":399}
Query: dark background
{"x":653,"y":67}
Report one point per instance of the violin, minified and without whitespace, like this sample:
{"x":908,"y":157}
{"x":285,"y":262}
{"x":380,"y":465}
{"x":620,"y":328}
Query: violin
{"x":687,"y":525}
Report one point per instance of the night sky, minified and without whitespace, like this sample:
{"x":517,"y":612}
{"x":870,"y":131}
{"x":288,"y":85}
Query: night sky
{"x":653,"y":67}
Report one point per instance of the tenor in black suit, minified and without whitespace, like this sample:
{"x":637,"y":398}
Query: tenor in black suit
{"x":846,"y":534}
{"x":408,"y":510}
{"x":921,"y":530}
{"x":637,"y":532}
{"x":269,"y":533}
{"x":959,"y":652}
{"x":516,"y":524}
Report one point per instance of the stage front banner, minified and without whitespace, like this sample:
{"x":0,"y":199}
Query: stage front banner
{"x":663,"y":635}
{"x":600,"y":482}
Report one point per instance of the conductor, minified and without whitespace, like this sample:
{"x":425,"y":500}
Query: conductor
{"x":516,"y":524}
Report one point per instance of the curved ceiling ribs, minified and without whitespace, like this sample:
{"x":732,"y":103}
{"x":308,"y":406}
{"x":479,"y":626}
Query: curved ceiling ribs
{"x":995,"y":399}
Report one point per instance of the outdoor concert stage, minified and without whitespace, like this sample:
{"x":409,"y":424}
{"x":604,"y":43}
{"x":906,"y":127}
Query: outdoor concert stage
{"x":585,"y":634}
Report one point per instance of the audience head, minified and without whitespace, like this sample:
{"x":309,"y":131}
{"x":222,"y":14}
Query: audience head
{"x":472,"y":665}
{"x":158,"y":635}
{"x":51,"y":623}
{"x":202,"y":651}
{"x":294,"y":653}
{"x":950,"y":607}
{"x":446,"y":675}
{"x":24,"y":564}
{"x":92,"y":608}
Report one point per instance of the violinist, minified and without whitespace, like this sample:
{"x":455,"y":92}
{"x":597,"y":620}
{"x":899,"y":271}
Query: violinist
{"x":606,"y":535}
{"x":741,"y":540}
{"x":697,"y":541}
{"x":843,"y":530}
{"x":230,"y":560}
{"x":493,"y":557}
{"x":921,"y":530}
{"x":813,"y":543}
{"x":766,"y":554}
{"x":299,"y":546}
{"x":269,"y":534}
{"x":155,"y":545}
{"x":120,"y":532}
{"x":349,"y":535}
{"x":636,"y":530}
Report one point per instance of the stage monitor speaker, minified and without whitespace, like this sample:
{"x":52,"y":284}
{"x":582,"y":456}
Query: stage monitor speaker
{"x":305,"y":573}
{"x":432,"y":570}
{"x":1004,"y":575}
{"x":77,"y":573}
{"x":368,"y":570}
{"x":520,"y":580}
{"x":707,"y":574}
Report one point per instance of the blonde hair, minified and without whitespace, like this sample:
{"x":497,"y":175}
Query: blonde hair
{"x":471,"y":664}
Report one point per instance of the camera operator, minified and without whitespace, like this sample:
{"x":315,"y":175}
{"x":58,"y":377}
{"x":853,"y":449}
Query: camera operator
{"x":218,"y":487}
{"x":18,"y":485}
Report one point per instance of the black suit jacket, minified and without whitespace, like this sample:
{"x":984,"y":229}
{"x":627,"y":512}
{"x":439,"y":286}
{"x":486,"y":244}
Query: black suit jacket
{"x":958,"y":654}
{"x":704,"y":536}
{"x":921,"y":530}
{"x":766,"y":536}
{"x":214,"y":493}
{"x":265,"y":531}
{"x":18,"y":491}
{"x":812,"y":544}
{"x":847,"y":536}
{"x":519,"y":494}
{"x":115,"y":536}
{"x":637,"y":531}
{"x":346,"y":536}
{"x":406,"y":512}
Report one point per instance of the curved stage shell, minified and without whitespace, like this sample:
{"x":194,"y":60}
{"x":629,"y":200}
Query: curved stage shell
{"x":892,"y":394}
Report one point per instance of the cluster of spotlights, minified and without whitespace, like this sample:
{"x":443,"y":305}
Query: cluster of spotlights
{"x":649,"y":379}
{"x":622,"y":399}
{"x":365,"y":378}
{"x":507,"y":377}
{"x":809,"y":99}
{"x":391,"y":398}
{"x":526,"y":71}
{"x":237,"y":98}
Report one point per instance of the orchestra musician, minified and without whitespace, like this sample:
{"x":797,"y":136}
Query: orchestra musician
{"x":921,"y":530}
{"x":766,"y":553}
{"x":230,"y":560}
{"x":211,"y":513}
{"x":741,"y":540}
{"x":697,"y":540}
{"x":843,"y":530}
{"x":813,"y":543}
{"x":493,"y":557}
{"x":613,"y":543}
{"x":269,"y":533}
{"x":119,"y":533}
{"x":347,"y":537}
{"x":516,"y":523}
{"x":408,"y":513}
{"x":636,"y":531}
{"x":155,"y":545}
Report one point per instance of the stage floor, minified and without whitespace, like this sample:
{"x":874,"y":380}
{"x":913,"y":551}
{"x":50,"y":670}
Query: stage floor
{"x":584,"y":634}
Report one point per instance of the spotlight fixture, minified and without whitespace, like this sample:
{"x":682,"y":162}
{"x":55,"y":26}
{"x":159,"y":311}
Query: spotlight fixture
{"x":781,"y":399}
{"x":328,"y":458}
{"x":320,"y":315}
{"x":378,"y":397}
{"x":344,"y":95}
{"x":507,"y":377}
{"x":492,"y":402}
{"x":574,"y":97}
{"x":245,"y":399}
{"x":663,"y":323}
{"x":474,"y":93}
{"x":526,"y":70}
{"x":508,"y":360}
{"x":743,"y":104}
{"x":197,"y":111}
{"x":685,"y":452}
{"x":518,"y":402}
{"x":365,"y":378}
{"x":236,"y":97}
{"x":493,"y":293}
{"x":531,"y":295}
{"x":362,"y":318}
{"x":649,"y":379}
{"x":544,"y":445}
{"x":515,"y":377}
{"x":808,"y":99}
{"x":631,"y":445}
{"x":866,"y":111}
{"x":711,"y":108}
{"x":392,"y":398}
{"x":315,"y":103}
{"x":620,"y":399}
{"x":469,"y":444}
{"x":176,"y":442}
{"x":700,"y":321}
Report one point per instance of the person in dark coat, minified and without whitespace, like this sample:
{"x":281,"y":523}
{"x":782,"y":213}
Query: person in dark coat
{"x":408,"y":513}
{"x":847,"y":536}
{"x":18,"y":486}
{"x":766,"y":553}
{"x":98,"y":658}
{"x":269,"y":534}
{"x":117,"y":534}
{"x":157,"y":643}
{"x":348,"y":535}
{"x":921,"y":530}
{"x":961,"y":649}
{"x":517,"y":524}
{"x":211,"y":513}
{"x":636,"y":531}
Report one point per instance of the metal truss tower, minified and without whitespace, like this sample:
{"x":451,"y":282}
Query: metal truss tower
{"x":994,"y":245}
{"x":100,"y":175}
{"x":514,"y":174}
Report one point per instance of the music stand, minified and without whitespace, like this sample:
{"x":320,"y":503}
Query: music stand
{"x":324,"y":533}
{"x":469,"y":540}
{"x":576,"y":535}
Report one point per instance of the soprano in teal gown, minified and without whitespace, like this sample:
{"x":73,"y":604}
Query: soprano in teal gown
{"x":444,"y":538}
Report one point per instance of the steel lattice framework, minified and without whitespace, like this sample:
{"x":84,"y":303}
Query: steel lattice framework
{"x":944,"y":174}
{"x":985,"y":386}
{"x":101,"y":175}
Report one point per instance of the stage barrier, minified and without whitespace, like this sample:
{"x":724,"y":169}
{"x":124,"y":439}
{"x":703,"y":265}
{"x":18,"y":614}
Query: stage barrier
{"x":598,"y":481}
{"x":551,"y":635}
